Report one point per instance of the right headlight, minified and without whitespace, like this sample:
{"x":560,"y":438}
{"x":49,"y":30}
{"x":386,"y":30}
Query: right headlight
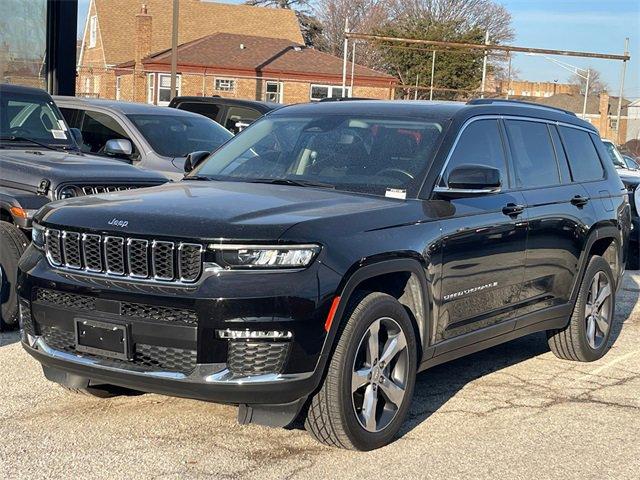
{"x":265,"y":257}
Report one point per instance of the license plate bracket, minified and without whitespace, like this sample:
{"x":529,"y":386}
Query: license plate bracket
{"x":103,"y":338}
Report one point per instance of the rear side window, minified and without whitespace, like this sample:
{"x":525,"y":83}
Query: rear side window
{"x":207,"y":109}
{"x":479,"y":144}
{"x":582,"y":154}
{"x":534,"y":160}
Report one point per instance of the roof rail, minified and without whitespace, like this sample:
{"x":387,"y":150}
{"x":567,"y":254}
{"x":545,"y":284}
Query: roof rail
{"x":492,"y":101}
{"x":343,"y":99}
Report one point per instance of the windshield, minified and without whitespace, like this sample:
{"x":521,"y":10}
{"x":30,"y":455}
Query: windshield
{"x":179,"y":135}
{"x":35,"y":117}
{"x":375,"y":155}
{"x":615,"y":155}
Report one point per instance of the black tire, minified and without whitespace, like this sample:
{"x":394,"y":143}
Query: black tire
{"x":331,"y":417}
{"x":12,"y":244}
{"x":571,"y":342}
{"x":104,"y":391}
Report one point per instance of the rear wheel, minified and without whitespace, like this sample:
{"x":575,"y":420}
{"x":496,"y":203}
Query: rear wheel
{"x":12,"y":244}
{"x":369,"y":384}
{"x":587,"y":337}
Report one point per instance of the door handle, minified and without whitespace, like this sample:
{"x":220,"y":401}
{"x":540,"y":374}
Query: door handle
{"x":579,"y":201}
{"x":512,"y":209}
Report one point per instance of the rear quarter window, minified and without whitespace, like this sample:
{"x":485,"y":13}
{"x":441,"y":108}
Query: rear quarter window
{"x":583,"y":157}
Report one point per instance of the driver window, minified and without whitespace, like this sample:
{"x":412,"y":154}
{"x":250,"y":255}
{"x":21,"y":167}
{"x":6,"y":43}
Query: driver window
{"x":479,"y":144}
{"x":97,"y":128}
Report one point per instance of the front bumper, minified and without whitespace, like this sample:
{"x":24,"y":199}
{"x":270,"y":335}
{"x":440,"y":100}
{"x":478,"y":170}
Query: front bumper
{"x":294,"y":302}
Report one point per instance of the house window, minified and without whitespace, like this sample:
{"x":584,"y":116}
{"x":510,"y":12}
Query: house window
{"x":87,"y":85}
{"x":93,"y":31}
{"x":118,"y":87}
{"x":526,"y":93}
{"x":150,"y":87}
{"x":273,"y":92}
{"x":164,"y":88}
{"x":613,"y":123}
{"x":511,"y":91}
{"x":318,"y":92}
{"x":225,"y":85}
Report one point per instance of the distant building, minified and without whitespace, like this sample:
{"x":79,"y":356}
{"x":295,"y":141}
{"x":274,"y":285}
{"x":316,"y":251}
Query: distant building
{"x":601,"y":112}
{"x":523,"y":88}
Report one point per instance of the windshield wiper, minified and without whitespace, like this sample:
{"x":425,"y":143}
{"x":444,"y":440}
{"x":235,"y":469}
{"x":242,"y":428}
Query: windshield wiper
{"x":197,"y":177}
{"x":14,"y":138}
{"x":289,"y":181}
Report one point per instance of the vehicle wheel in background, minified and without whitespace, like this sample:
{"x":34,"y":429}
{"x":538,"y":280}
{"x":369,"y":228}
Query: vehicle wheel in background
{"x":12,"y":244}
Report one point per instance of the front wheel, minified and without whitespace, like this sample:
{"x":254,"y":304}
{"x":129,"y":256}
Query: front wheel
{"x":12,"y":245}
{"x":369,"y":383}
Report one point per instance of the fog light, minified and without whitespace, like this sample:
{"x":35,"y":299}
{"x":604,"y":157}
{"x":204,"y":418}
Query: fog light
{"x":229,"y":334}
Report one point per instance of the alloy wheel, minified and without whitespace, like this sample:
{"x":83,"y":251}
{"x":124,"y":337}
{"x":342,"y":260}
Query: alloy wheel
{"x":379,"y":375}
{"x":598,"y":310}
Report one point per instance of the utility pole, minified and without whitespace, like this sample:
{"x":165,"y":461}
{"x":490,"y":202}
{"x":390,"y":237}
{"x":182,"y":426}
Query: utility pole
{"x":353,"y":63}
{"x":509,"y":77}
{"x":484,"y":64}
{"x":345,"y":56}
{"x":586,"y":92}
{"x":624,"y":71}
{"x":417,"y":81}
{"x":174,"y":48}
{"x":433,"y":71}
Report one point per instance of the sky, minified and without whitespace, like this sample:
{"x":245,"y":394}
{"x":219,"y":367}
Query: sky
{"x":584,"y":25}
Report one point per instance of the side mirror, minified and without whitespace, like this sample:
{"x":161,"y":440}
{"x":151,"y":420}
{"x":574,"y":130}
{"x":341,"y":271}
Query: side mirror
{"x":471,"y":180}
{"x":194,"y":159}
{"x":118,"y":147}
{"x":77,"y":136}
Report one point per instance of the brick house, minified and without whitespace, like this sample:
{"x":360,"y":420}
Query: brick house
{"x":525,"y":88}
{"x":111,"y":27}
{"x":601,"y":112}
{"x":247,"y":67}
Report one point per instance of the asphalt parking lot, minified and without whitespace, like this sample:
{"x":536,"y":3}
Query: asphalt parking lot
{"x":514,"y":411}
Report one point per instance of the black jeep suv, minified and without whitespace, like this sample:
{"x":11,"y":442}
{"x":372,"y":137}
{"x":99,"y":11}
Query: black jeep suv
{"x":40,"y":161}
{"x":312,"y":265}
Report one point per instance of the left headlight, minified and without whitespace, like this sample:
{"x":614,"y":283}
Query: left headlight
{"x":37,"y":235}
{"x":67,"y":192}
{"x":265,"y":257}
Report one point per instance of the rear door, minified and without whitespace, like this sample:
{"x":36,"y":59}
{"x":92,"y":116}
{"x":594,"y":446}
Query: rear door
{"x":560,"y":212}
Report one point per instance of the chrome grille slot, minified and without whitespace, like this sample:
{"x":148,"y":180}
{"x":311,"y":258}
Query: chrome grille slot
{"x":136,"y":258}
{"x":91,"y":252}
{"x":114,"y":255}
{"x":71,"y":248}
{"x":54,"y":249}
{"x":162,"y":260}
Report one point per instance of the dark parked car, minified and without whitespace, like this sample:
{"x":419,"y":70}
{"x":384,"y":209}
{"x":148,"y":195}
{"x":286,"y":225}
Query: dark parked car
{"x":312,"y":265}
{"x":231,"y":113}
{"x":630,"y":176}
{"x":149,"y":137}
{"x":39,"y":162}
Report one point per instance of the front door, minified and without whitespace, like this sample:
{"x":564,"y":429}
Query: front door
{"x":483,"y":243}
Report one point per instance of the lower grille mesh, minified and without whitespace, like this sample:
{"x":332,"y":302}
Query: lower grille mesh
{"x":127,"y":309}
{"x":257,"y":358}
{"x":146,"y":357}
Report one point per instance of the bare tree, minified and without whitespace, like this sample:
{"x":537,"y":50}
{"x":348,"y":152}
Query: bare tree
{"x":363,"y":16}
{"x":288,"y":4}
{"x":596,"y":83}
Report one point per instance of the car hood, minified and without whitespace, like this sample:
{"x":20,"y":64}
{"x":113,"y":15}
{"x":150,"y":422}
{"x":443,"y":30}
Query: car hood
{"x":629,"y":177}
{"x":29,"y":167}
{"x":221,"y":210}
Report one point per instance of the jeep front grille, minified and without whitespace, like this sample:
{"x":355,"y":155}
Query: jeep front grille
{"x":124,"y":257}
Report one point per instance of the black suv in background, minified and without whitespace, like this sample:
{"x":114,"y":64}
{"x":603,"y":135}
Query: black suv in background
{"x":313,"y":264}
{"x":40,"y":161}
{"x":233,"y":114}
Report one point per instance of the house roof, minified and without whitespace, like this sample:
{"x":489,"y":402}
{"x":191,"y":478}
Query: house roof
{"x":257,"y":54}
{"x":117,"y":23}
{"x":574,"y":102}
